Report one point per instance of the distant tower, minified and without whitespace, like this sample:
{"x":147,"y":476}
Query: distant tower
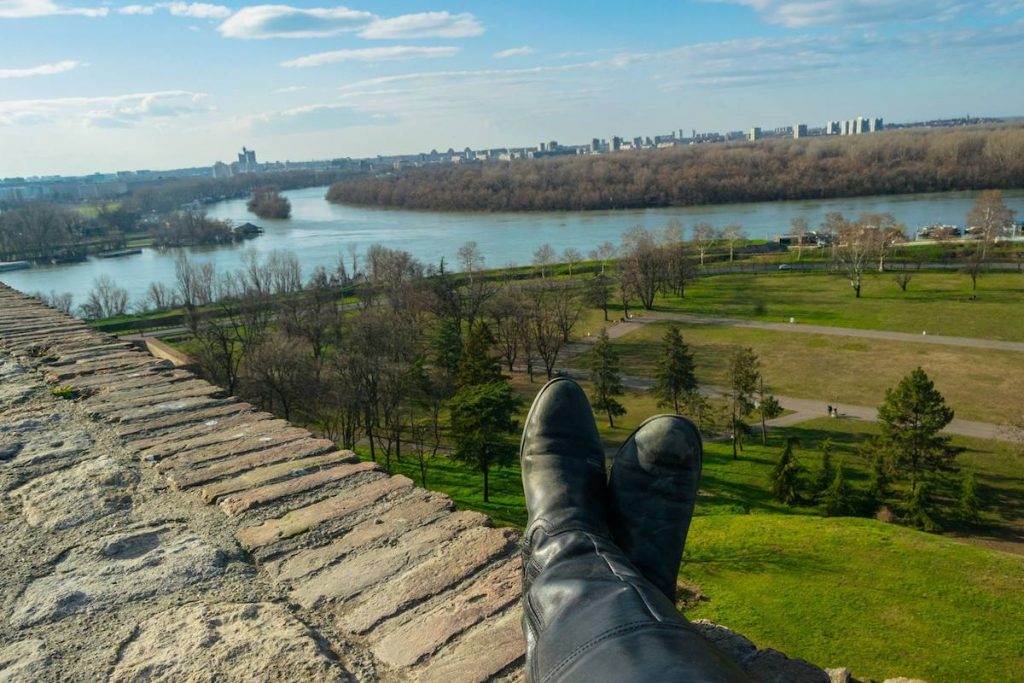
{"x":616,"y":144}
{"x":877,"y":125}
{"x":800,"y":131}
{"x":754,"y":134}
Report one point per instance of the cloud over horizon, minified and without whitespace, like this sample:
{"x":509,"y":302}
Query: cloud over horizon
{"x":30,"y":9}
{"x":371,"y":54}
{"x":41,"y":70}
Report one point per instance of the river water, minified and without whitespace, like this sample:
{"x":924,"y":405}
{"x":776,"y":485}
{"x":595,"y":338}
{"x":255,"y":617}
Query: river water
{"x":319,"y":232}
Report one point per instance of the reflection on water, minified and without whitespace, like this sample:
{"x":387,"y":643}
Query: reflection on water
{"x":319,"y":232}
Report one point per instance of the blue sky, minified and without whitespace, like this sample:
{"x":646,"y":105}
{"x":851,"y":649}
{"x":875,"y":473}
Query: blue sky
{"x":94,"y":85}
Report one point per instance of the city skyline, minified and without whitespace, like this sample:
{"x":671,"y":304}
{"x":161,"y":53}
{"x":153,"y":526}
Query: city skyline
{"x":95,"y":87}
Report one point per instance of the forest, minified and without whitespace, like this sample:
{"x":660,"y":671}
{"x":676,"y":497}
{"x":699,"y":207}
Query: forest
{"x":896,"y":162}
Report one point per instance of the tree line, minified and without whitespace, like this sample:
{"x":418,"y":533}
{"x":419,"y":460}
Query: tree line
{"x":895,"y":162}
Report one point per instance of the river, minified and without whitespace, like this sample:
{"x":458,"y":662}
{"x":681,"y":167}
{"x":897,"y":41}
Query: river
{"x":319,"y":232}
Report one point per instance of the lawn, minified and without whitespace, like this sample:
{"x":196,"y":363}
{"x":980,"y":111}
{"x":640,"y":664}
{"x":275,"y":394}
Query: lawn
{"x":939,"y":303}
{"x":980,"y":385}
{"x":881,"y":599}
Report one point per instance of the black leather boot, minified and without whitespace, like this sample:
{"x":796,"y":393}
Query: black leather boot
{"x":652,"y":491}
{"x":588,"y":614}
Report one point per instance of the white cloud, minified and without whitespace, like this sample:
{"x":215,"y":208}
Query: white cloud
{"x":116,"y":111}
{"x":372,"y":54}
{"x":194,"y":10}
{"x":283,"y":21}
{"x":514,"y":52}
{"x":197,"y":10}
{"x":41,"y":70}
{"x":136,"y":9}
{"x":805,"y":13}
{"x":312,"y":117}
{"x":424,"y":25}
{"x":24,"y":9}
{"x":291,"y":88}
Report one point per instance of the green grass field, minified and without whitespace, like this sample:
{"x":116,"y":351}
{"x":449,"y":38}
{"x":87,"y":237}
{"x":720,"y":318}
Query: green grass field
{"x":980,"y":385}
{"x":937,"y":302}
{"x":883,"y":600}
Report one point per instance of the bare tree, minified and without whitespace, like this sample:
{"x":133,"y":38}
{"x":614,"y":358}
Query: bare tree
{"x":546,"y":335}
{"x":642,"y":265}
{"x":543,"y":257}
{"x":603,"y":252}
{"x":988,"y":218}
{"x":854,"y":249}
{"x":470,"y":258}
{"x":62,"y":302}
{"x":889,"y":234}
{"x":733,"y":234}
{"x":508,"y":319}
{"x":798,"y":229}
{"x":105,"y":299}
{"x":571,"y":257}
{"x":161,"y":297}
{"x":704,"y":238}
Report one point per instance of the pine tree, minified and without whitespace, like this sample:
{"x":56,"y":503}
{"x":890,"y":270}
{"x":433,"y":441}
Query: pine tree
{"x":918,"y":509}
{"x":878,"y":484}
{"x":968,"y":507}
{"x":826,"y":474}
{"x":838,"y":498}
{"x":604,"y":373}
{"x":744,"y":375}
{"x":481,"y":414}
{"x":784,"y":476}
{"x":477,"y":365}
{"x":675,"y":376}
{"x":911,"y":418}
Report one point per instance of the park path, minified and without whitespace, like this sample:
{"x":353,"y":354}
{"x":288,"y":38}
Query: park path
{"x":803,"y":409}
{"x":800,"y":328}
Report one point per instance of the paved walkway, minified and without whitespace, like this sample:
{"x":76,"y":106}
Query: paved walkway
{"x":800,"y":328}
{"x":803,"y":409}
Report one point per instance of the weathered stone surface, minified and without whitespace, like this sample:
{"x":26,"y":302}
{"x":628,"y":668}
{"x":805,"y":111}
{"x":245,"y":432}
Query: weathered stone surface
{"x":13,"y":390}
{"x":841,"y":675}
{"x":239,"y":503}
{"x":223,"y":468}
{"x":147,"y":411}
{"x":231,"y":447}
{"x":85,"y":492}
{"x":217,"y":428}
{"x":303,"y":519}
{"x":428,"y":632}
{"x":23,"y":662}
{"x":489,"y":648}
{"x":226,"y":642}
{"x":272,"y":473}
{"x":417,"y":509}
{"x":181,"y":420}
{"x":49,"y":442}
{"x":117,"y":568}
{"x":362,"y":570}
{"x":449,"y":565}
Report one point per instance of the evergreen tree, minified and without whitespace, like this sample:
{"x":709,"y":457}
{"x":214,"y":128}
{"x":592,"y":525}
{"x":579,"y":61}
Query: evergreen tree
{"x":481,"y":416}
{"x":838,"y":498}
{"x":968,"y":507}
{"x":878,"y":483}
{"x":477,"y":365}
{"x":768,"y":407}
{"x":744,"y":376}
{"x":911,"y":418}
{"x":826,"y":474}
{"x":918,"y":509}
{"x":447,"y":347}
{"x":785,"y":474}
{"x":604,"y":373}
{"x":675,"y":376}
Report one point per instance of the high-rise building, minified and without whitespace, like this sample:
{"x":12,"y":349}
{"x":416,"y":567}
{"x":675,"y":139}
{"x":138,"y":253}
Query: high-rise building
{"x":754,"y":134}
{"x":247,"y":160}
{"x":861,"y":125}
{"x":616,"y":144}
{"x":800,"y":131}
{"x":877,"y":125}
{"x":832,"y":128}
